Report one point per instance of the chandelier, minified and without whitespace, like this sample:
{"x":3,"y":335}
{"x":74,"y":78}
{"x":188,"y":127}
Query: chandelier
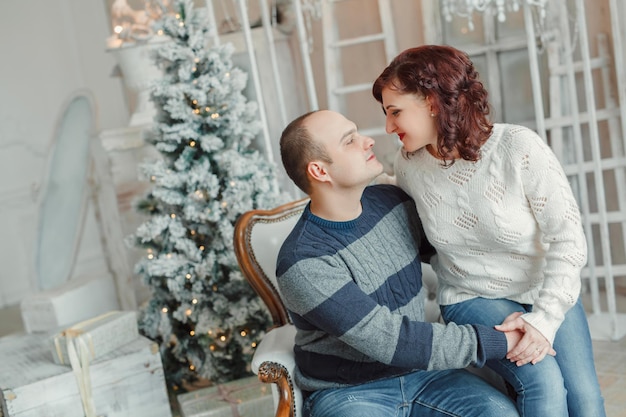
{"x":499,"y":8}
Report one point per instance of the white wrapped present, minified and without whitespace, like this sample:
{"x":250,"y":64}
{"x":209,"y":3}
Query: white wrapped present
{"x":128,"y":381}
{"x":76,"y":300}
{"x":245,"y":397}
{"x":99,"y":335}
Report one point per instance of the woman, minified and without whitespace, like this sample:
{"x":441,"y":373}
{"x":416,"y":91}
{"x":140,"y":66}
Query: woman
{"x":497,"y":206}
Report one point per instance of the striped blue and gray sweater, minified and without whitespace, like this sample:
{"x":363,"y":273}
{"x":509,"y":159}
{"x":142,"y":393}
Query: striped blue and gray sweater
{"x":354,"y":292}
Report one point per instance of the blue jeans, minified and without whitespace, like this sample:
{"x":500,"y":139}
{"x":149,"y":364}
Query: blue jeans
{"x":418,"y":394}
{"x":560,"y":386}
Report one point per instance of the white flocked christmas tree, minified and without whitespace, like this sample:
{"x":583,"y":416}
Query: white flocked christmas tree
{"x":202,"y":312}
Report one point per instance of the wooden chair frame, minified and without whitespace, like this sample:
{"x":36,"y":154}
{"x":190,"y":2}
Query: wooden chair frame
{"x":262,"y":279}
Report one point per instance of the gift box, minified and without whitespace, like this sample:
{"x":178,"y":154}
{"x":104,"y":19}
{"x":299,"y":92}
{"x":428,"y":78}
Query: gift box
{"x":246,"y":397}
{"x":128,"y":381}
{"x":99,"y":336}
{"x":76,"y":300}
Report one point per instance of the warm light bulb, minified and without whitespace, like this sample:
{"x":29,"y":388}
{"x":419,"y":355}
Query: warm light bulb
{"x":215,"y":116}
{"x":194,"y":301}
{"x":201,"y":248}
{"x":188,"y":312}
{"x":223,"y":338}
{"x":118,"y":29}
{"x":191,"y":367}
{"x":243,"y":333}
{"x":192,"y":143}
{"x":253,"y":344}
{"x":150,"y":256}
{"x":173,"y":215}
{"x":192,"y":333}
{"x":188,"y":276}
{"x":164,"y":310}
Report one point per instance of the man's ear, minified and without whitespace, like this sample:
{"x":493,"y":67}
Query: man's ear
{"x":317,"y":171}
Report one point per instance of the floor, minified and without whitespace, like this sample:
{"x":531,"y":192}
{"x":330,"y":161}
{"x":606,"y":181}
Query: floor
{"x":610,"y":358}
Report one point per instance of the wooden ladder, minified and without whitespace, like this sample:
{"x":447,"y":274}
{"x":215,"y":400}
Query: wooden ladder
{"x":336,"y":89}
{"x":586,"y":169}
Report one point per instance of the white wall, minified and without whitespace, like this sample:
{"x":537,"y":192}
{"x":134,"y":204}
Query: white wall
{"x":50,"y":49}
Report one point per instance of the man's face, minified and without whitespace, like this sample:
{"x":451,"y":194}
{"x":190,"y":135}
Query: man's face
{"x":354,"y":162}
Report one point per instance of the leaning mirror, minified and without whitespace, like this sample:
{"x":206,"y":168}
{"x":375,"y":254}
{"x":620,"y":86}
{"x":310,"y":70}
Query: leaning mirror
{"x":64,"y":194}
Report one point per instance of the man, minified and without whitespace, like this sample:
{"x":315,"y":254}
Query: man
{"x":350,"y":275}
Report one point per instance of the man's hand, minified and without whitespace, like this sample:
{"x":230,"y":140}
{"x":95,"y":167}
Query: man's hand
{"x":531,"y":348}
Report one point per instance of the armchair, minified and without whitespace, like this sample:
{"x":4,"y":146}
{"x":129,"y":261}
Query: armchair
{"x":258,"y":237}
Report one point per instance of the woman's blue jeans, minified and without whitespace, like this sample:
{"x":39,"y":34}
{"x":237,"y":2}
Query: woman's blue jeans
{"x":558,"y":386}
{"x":417,"y":394}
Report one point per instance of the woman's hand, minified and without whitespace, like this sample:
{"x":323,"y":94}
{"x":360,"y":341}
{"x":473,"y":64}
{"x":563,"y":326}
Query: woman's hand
{"x":532,"y":347}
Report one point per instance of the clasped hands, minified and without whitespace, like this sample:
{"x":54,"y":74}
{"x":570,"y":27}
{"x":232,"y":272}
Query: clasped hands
{"x":525,"y":343}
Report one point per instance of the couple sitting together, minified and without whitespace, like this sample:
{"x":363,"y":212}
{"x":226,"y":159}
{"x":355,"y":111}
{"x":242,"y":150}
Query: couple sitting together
{"x":488,"y":205}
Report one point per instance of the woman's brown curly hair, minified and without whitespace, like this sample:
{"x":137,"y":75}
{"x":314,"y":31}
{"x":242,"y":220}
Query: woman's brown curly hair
{"x":446,"y":76}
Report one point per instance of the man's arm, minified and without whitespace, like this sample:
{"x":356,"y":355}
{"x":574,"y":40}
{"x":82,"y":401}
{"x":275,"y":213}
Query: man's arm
{"x":323,"y":298}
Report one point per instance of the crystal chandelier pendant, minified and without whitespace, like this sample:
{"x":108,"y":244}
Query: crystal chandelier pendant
{"x":498,"y":8}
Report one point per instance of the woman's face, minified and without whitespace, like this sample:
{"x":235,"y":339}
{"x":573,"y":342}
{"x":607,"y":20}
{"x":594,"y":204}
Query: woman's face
{"x":410,"y":117}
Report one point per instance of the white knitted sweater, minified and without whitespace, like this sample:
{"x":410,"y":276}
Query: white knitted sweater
{"x":507,"y":226}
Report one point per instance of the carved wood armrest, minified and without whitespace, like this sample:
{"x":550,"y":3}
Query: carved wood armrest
{"x":272,"y":372}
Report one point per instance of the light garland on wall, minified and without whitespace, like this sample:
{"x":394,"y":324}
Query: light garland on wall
{"x":499,"y":8}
